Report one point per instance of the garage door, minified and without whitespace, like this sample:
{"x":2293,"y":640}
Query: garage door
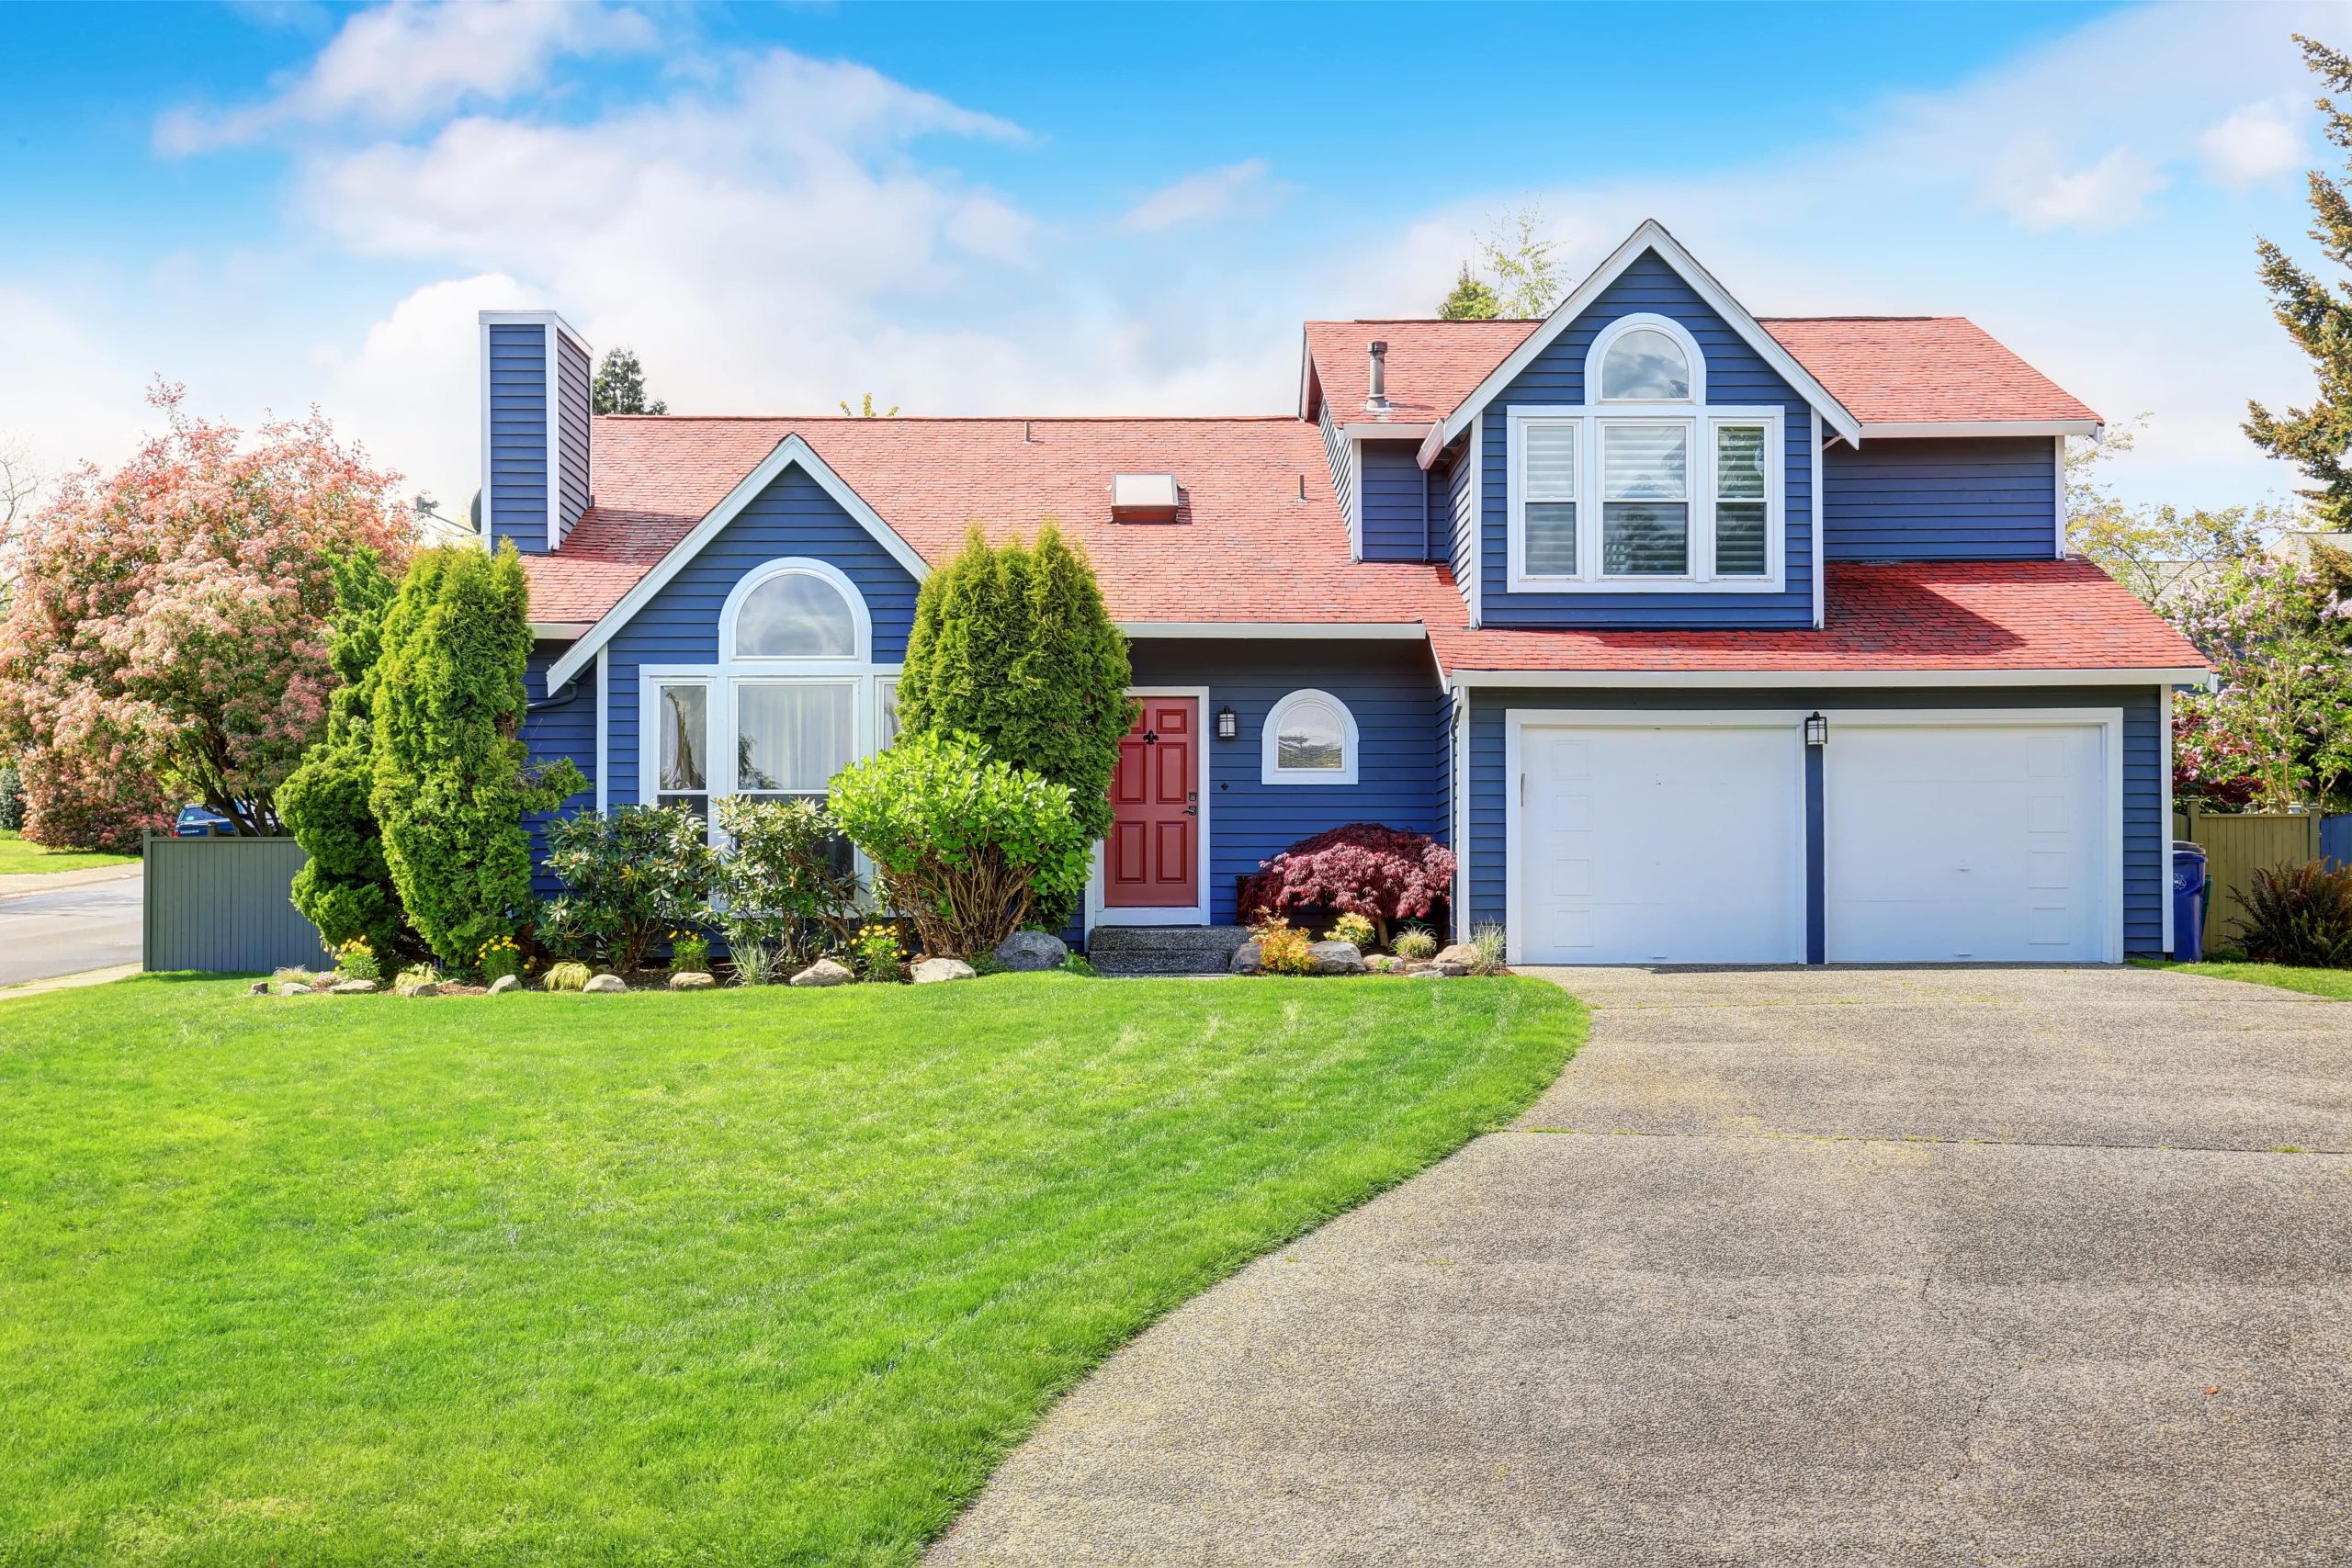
{"x":1967,"y":842}
{"x":1661,"y":845}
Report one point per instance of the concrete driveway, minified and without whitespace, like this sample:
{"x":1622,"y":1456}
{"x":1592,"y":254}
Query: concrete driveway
{"x":1790,"y":1267}
{"x":68,"y":922}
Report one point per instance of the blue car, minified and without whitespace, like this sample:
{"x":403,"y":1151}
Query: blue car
{"x":202,"y":822}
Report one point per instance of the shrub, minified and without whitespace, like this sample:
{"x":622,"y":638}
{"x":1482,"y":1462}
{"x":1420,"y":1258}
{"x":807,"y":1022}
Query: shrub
{"x":12,"y":798}
{"x":1076,"y":963}
{"x":875,"y":951}
{"x":689,"y":952}
{"x":1282,"y":948}
{"x":355,"y":960}
{"x":1416,"y":943}
{"x":1489,"y":939}
{"x":414,"y":978}
{"x":967,"y":847}
{"x":1013,"y":648}
{"x":750,"y":946}
{"x":566,"y":977}
{"x":2299,"y":913}
{"x":1362,"y":869}
{"x":783,"y":890}
{"x":450,"y":787}
{"x":629,"y":875}
{"x":498,"y":957}
{"x":1353,"y":927}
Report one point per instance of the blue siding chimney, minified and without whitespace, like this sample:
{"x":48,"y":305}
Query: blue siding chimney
{"x":536,"y":428}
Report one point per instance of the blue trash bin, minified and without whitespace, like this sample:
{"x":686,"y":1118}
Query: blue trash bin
{"x":2187,"y":901}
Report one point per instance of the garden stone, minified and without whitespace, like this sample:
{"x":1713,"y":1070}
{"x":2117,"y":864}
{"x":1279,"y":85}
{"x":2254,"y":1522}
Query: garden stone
{"x":824,"y":971}
{"x":605,"y":983}
{"x":1460,"y":952}
{"x":293,"y":989}
{"x":1032,"y":950}
{"x":1246,"y":960}
{"x":1335,"y":958}
{"x":928,"y":970}
{"x":691,"y":980}
{"x":258,"y":989}
{"x":1381,"y":965}
{"x":451,"y":988}
{"x":413,"y":989}
{"x":1450,"y":971}
{"x":352,"y":988}
{"x":504,"y":984}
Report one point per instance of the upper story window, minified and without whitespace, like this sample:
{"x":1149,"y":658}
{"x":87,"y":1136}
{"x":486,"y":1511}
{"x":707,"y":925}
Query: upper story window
{"x":795,"y":609}
{"x":1310,"y":739}
{"x":1644,"y":364}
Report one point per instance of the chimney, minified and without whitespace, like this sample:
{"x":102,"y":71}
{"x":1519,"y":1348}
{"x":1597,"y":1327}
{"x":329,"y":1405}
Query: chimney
{"x":536,"y":375}
{"x":1378,"y":402}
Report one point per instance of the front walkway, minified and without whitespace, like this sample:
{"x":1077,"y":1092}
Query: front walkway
{"x":1821,"y":1267}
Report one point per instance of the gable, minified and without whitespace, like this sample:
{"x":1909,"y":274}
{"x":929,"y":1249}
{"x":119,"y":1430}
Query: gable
{"x":1735,"y":372}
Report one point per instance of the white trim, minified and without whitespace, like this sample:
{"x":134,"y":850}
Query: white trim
{"x":2109,"y":720}
{"x":1355,"y":497}
{"x":604,"y":729}
{"x":789,"y":451}
{"x":1694,"y":362}
{"x":1650,"y":236}
{"x":1270,"y":768}
{"x":1936,"y":430}
{"x":2058,"y":449}
{"x":1516,"y":720}
{"x":558,"y":631}
{"x":1370,"y":631}
{"x":1794,"y":680}
{"x":1373,"y":432}
{"x":1820,"y":581}
{"x":1475,"y":591}
{"x":1194,"y":914}
{"x":486,"y":530}
{"x":1306,"y":413}
{"x":649,"y":681}
{"x":1459,"y":738}
{"x":2164,"y":770}
{"x":861,"y":619}
{"x":551,"y":379}
{"x":536,"y":319}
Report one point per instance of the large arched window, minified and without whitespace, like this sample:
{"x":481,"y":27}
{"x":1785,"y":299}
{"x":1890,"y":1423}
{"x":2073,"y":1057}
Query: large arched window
{"x":795,"y":610}
{"x":1310,"y":739}
{"x":1645,"y":360}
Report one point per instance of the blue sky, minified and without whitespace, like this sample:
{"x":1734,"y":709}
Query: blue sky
{"x":1060,"y":209}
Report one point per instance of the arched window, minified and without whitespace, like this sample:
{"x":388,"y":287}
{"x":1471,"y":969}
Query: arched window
{"x":795,"y":609}
{"x":1648,"y":359}
{"x":1310,"y":739}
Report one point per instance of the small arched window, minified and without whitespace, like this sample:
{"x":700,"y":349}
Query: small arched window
{"x":797,"y":609}
{"x":1647,"y":367}
{"x":1310,"y":739}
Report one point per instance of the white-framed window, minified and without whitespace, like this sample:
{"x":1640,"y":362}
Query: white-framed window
{"x":886,"y":712}
{"x":679,"y":753}
{"x":798,"y":610}
{"x":1645,"y":359}
{"x":1310,"y":739}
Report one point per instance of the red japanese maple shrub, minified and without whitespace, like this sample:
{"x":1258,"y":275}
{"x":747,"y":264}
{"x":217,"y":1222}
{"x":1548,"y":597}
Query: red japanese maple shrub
{"x":1363,"y":868}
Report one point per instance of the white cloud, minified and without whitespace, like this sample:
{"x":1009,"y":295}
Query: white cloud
{"x":2039,"y":193}
{"x":1236,"y":190}
{"x":404,"y":63}
{"x":2253,"y":143}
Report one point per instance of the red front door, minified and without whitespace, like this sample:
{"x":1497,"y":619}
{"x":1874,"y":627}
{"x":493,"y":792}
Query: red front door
{"x":1152,"y":860}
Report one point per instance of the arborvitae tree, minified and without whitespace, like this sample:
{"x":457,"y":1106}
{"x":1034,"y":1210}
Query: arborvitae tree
{"x":346,"y":888}
{"x":1471,"y":300}
{"x":620,"y":385}
{"x":1013,"y":646}
{"x":2318,"y":316}
{"x":451,"y":787}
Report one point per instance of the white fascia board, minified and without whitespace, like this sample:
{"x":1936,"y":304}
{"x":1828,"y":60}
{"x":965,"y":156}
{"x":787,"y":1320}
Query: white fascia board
{"x":558,"y":631}
{"x":790,"y":451}
{"x":536,"y":319}
{"x":1766,"y":678}
{"x":1650,"y":236}
{"x":1306,"y":375}
{"x":1377,"y":631}
{"x":1979,"y":428}
{"x":1374,"y":430}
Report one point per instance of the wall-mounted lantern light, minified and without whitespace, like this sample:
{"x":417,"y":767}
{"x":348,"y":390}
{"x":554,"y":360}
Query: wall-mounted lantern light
{"x":1227,"y":726}
{"x":1816,"y":730}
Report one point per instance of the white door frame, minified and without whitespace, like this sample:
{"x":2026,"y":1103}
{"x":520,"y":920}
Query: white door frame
{"x":2109,"y":721}
{"x":1516,"y":721}
{"x":1198,"y":912}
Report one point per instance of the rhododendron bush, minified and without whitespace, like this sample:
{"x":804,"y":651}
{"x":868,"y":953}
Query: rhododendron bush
{"x":1361,"y":869}
{"x":166,"y":639}
{"x":2277,"y":731}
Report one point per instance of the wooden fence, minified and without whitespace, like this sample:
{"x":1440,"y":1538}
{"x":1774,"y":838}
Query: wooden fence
{"x":225,"y":904}
{"x":2234,"y":845}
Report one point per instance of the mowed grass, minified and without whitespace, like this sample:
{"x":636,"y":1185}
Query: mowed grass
{"x":766,"y":1276}
{"x":2333,"y":984}
{"x":18,"y":856}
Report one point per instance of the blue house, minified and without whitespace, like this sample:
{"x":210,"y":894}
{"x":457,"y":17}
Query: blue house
{"x":1700,"y":638}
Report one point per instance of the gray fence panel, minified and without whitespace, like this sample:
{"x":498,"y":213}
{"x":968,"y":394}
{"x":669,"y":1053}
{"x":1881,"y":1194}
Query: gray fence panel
{"x":225,"y":906}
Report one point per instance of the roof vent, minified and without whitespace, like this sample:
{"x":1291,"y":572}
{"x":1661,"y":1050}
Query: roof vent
{"x":1377,"y":401}
{"x":1143,"y":498}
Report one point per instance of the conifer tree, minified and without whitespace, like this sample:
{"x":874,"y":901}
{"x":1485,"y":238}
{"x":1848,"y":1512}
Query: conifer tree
{"x":619,"y":387}
{"x":1471,"y":300}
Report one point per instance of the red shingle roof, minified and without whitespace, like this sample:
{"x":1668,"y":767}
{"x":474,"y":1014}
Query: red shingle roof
{"x":1945,"y":615}
{"x":1431,"y":365}
{"x":1245,"y":547}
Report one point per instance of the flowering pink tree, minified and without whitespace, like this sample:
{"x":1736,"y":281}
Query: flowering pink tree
{"x":2277,"y":731}
{"x":167,"y":636}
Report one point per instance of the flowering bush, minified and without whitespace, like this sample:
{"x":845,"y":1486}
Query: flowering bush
{"x":689,"y":952}
{"x":875,"y":953}
{"x":1361,"y":869}
{"x":498,"y":957}
{"x":355,"y":960}
{"x":2278,"y":731}
{"x":1282,"y":948}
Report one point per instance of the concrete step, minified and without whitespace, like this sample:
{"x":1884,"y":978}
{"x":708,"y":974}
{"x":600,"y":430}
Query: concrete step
{"x":1163,"y":950}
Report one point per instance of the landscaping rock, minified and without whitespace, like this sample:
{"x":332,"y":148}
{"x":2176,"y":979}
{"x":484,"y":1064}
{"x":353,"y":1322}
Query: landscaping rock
{"x":928,"y":970}
{"x":451,"y":989}
{"x":293,"y":989}
{"x":1450,"y":971}
{"x":824,"y":971}
{"x":1384,"y":966}
{"x":353,"y":987}
{"x":1032,"y":950}
{"x":415,"y":989}
{"x":691,"y":980}
{"x":504,"y":984}
{"x":1460,"y":952}
{"x":258,"y":989}
{"x":1246,"y":960}
{"x":605,"y":983}
{"x":1335,"y":958}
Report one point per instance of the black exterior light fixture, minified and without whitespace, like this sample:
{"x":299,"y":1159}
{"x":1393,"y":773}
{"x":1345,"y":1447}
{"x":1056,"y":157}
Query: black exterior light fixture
{"x":1816,"y":730}
{"x":1227,"y":726}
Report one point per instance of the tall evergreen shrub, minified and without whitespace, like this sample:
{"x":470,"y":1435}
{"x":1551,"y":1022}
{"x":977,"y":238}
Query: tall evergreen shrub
{"x":450,"y":787}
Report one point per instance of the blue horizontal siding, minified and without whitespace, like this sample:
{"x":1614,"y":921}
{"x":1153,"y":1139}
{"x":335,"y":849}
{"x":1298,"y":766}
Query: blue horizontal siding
{"x":563,"y":728}
{"x":1735,"y":373}
{"x":2146,"y":836}
{"x":1388,"y":686}
{"x":575,"y":388}
{"x":1944,"y":500}
{"x":518,"y":436}
{"x":1461,"y":510}
{"x":1396,"y":500}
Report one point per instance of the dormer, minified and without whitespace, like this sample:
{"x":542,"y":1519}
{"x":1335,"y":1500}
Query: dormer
{"x":537,"y":432}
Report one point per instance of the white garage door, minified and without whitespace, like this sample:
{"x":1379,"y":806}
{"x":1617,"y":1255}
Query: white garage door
{"x":1661,"y":845}
{"x":1967,"y":842}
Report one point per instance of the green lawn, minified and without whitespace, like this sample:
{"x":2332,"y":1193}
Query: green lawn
{"x":767,"y":1277}
{"x":2333,"y":984}
{"x":18,"y":856}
